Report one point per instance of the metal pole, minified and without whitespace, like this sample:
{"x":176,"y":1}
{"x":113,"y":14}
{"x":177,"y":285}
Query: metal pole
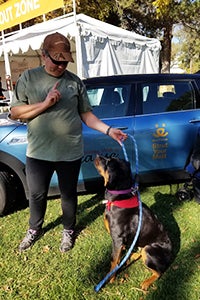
{"x":7,"y":62}
{"x":79,"y":61}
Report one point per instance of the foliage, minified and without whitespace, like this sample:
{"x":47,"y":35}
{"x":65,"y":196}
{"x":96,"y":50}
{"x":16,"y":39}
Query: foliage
{"x":190,"y":18}
{"x":102,"y":10}
{"x":156,"y":18}
{"x":187,"y":51}
{"x":152,"y":18}
{"x":42,"y":272}
{"x":162,"y":7}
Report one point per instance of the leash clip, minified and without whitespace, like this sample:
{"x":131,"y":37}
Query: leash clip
{"x":104,"y":201}
{"x":134,"y":190}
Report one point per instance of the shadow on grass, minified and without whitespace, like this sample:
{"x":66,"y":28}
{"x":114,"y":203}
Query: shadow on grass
{"x":53,"y":224}
{"x":173,"y":282}
{"x":19,"y":205}
{"x":90,"y":210}
{"x":163,"y":207}
{"x":85,"y":219}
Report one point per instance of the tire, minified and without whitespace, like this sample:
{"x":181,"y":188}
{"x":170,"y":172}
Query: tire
{"x":7,"y":192}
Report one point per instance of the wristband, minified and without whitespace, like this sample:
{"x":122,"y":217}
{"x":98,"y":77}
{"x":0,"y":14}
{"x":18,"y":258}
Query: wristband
{"x":108,"y":130}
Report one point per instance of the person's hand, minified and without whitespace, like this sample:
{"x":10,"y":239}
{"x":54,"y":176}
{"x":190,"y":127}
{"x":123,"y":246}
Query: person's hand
{"x":117,"y":135}
{"x":53,"y":96}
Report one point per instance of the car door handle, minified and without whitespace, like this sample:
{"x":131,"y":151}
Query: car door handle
{"x":121,"y":128}
{"x":194,"y":121}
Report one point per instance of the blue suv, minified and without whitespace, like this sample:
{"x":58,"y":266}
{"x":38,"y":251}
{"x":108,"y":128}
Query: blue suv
{"x":161,"y":111}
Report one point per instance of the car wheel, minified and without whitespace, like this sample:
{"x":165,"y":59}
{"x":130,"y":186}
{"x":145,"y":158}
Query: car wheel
{"x":7,"y":192}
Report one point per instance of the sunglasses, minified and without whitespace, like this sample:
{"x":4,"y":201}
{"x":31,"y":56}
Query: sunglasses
{"x":56,"y":62}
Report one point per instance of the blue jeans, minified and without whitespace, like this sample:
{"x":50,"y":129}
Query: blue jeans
{"x":39,"y":173}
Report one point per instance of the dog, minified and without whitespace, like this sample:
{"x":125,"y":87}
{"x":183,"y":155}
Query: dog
{"x":121,"y":220}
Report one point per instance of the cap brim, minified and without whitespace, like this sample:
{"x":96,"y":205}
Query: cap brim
{"x":68,"y":57}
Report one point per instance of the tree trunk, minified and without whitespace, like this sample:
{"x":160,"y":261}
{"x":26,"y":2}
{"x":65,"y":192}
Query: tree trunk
{"x":166,"y":50}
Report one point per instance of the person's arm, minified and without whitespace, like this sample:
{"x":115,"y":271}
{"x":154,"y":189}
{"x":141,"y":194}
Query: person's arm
{"x":29,"y":111}
{"x":95,"y":123}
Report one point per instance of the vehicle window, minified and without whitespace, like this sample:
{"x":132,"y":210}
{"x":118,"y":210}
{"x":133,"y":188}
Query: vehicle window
{"x":165,"y":97}
{"x":109,"y":101}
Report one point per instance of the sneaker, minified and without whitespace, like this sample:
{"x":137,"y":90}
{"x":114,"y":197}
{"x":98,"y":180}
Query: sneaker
{"x":67,"y":241}
{"x":31,"y":237}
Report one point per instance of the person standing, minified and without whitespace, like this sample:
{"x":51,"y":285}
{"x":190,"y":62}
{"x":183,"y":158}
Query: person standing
{"x":54,"y":102}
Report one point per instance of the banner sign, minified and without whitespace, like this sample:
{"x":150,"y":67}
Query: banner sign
{"x":14,"y":12}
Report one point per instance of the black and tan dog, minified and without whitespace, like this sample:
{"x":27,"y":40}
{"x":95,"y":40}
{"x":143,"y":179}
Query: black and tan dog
{"x":121,"y":221}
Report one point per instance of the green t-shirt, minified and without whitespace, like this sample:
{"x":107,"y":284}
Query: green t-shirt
{"x":56,"y":134}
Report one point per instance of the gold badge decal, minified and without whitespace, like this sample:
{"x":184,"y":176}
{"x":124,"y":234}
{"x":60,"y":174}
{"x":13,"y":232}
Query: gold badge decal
{"x":160,"y":131}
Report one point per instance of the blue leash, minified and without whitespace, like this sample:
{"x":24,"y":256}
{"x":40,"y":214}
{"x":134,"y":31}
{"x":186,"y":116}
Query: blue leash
{"x":103,"y":281}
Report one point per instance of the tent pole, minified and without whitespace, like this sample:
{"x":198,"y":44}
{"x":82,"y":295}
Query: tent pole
{"x":7,"y":63}
{"x":79,"y":61}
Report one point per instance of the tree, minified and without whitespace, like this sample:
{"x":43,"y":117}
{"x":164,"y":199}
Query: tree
{"x":187,"y":52}
{"x":190,"y":55}
{"x":152,"y":18}
{"x":156,"y":18}
{"x":102,"y":10}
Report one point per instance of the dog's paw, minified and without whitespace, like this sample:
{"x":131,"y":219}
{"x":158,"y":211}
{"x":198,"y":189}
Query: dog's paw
{"x":124,"y":278}
{"x":112,"y":279}
{"x":145,"y":285}
{"x":135,"y":256}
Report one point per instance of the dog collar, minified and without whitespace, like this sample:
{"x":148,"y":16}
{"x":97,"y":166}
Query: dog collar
{"x":121,"y":192}
{"x":126,"y":203}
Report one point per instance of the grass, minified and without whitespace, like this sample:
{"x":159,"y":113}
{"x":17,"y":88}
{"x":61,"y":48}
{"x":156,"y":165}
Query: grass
{"x":43,"y":273}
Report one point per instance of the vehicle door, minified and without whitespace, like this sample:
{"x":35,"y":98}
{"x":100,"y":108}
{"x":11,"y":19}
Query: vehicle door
{"x":166,"y":124}
{"x":111,"y":103}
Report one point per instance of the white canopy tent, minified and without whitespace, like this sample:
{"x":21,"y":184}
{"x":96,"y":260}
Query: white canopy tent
{"x":98,"y":48}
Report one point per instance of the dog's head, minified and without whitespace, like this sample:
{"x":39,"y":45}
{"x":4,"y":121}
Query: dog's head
{"x":116,"y":172}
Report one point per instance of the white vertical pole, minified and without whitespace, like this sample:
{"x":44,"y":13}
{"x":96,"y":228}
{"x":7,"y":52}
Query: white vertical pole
{"x":7,"y":62}
{"x":78,"y":44}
